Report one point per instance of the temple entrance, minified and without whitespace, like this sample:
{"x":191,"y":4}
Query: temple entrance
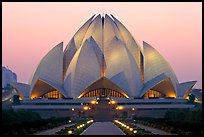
{"x":103,"y":111}
{"x":103,"y":87}
{"x":103,"y":90}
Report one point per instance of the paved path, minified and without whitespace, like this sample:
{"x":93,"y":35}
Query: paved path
{"x":153,"y":130}
{"x":102,"y":128}
{"x":52,"y":131}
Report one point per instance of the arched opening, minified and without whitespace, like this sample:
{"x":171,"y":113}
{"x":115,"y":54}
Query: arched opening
{"x":103,"y":92}
{"x":153,"y":94}
{"x":103,"y":87}
{"x":53,"y":94}
{"x":44,"y":90}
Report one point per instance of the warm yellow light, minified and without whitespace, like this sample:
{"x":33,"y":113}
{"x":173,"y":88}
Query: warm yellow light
{"x":131,"y":129}
{"x":20,"y":98}
{"x":187,"y":97}
{"x":78,"y":127}
{"x":172,"y":95}
{"x":33,"y":96}
{"x":81,"y":126}
{"x":196,"y":100}
{"x":72,"y":109}
{"x":69,"y":132}
{"x":127,"y":127}
{"x":86,"y":107}
{"x":70,"y":121}
{"x":151,"y":95}
{"x":112,"y":102}
{"x":119,"y":107}
{"x":93,"y":102}
{"x":135,"y":131}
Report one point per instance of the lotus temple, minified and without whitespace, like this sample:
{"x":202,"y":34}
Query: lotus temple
{"x":103,"y":72}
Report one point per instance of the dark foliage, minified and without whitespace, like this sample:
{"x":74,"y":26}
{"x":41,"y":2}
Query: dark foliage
{"x":27,"y":122}
{"x":184,"y":121}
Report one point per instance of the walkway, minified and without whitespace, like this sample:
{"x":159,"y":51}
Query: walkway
{"x":52,"y":131}
{"x":153,"y":130}
{"x":102,"y":128}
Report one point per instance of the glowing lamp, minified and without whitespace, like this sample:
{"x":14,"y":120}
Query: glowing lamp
{"x":119,"y":108}
{"x":69,"y":132}
{"x":133,"y":108}
{"x":86,"y":107}
{"x":93,"y":102}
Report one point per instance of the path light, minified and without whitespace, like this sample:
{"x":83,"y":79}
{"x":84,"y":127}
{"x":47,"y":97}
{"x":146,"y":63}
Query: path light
{"x":70,"y":121}
{"x":69,"y":132}
{"x":135,"y":131}
{"x":89,"y":121}
{"x":127,"y":127}
{"x":81,"y":126}
{"x":131,"y":129}
{"x":119,"y":107}
{"x":78,"y":127}
{"x":133,"y":108}
{"x":93,"y":102}
{"x":86,"y":107}
{"x":112,"y":102}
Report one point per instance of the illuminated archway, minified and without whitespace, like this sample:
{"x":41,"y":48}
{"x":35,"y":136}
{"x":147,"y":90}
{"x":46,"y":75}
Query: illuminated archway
{"x":103,"y":87}
{"x":45,"y":90}
{"x":153,"y":94}
{"x":53,"y":94}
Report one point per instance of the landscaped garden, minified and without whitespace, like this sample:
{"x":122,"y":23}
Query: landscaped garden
{"x":75,"y":129}
{"x":26,"y":122}
{"x":182,"y":122}
{"x":130,"y":129}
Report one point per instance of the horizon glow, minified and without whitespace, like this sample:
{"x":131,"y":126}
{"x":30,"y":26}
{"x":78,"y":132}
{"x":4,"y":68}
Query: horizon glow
{"x":31,"y":29}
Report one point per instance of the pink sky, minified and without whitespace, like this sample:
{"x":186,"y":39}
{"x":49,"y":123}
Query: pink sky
{"x":31,"y":30}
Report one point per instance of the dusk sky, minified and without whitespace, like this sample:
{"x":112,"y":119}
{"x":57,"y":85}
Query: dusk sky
{"x":31,"y":30}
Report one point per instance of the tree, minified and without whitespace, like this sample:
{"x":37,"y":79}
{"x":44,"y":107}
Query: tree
{"x":191,"y":98}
